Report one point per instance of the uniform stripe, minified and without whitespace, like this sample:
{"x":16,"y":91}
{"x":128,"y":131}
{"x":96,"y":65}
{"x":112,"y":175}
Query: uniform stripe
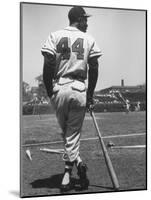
{"x":47,"y":50}
{"x":95,"y":54}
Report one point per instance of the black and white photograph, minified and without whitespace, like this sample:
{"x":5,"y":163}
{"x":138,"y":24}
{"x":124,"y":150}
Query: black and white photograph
{"x":83,"y":99}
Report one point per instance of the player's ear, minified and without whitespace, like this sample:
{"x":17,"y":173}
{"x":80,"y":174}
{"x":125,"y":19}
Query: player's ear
{"x":79,"y":19}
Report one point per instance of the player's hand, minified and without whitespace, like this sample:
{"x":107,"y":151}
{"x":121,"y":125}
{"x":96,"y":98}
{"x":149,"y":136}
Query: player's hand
{"x":90,"y":104}
{"x":50,"y":94}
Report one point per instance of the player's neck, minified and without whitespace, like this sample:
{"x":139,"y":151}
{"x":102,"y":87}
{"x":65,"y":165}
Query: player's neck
{"x":74,"y":25}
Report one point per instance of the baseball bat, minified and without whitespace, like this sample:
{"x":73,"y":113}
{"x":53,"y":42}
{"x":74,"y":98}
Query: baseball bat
{"x":106,"y":156}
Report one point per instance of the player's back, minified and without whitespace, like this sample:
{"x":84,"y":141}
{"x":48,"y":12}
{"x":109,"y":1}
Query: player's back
{"x":72,"y":49}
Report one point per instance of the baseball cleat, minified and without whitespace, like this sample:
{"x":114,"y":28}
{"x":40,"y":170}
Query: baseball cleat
{"x":82,"y":169}
{"x":65,"y":188}
{"x":68,"y":186}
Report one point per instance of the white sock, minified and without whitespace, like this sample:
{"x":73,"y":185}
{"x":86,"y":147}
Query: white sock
{"x":66,"y":178}
{"x":78,"y":160}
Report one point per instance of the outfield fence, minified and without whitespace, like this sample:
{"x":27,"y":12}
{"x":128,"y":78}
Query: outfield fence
{"x":99,"y":107}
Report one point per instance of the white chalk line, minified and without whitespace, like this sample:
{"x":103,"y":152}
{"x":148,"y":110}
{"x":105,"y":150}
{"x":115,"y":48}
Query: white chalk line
{"x":61,"y":151}
{"x":84,"y":139}
{"x":124,"y":135}
{"x":129,"y":147}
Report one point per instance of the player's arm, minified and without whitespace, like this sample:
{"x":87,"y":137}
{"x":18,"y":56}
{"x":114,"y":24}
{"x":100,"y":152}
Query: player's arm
{"x":92,"y":79}
{"x":48,"y":72}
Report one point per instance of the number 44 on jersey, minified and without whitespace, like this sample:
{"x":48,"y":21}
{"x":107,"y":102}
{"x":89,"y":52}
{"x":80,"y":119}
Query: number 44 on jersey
{"x":65,"y":50}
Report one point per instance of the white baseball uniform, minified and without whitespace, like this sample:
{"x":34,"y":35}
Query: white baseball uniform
{"x":72,"y":49}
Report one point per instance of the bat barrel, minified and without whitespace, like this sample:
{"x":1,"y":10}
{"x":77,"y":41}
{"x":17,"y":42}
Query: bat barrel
{"x":106,"y":156}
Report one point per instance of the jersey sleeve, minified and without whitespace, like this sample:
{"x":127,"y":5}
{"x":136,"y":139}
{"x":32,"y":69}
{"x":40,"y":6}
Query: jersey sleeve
{"x":94,"y":49}
{"x":49,"y":46}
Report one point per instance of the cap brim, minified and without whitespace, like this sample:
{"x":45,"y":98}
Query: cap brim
{"x":87,"y":15}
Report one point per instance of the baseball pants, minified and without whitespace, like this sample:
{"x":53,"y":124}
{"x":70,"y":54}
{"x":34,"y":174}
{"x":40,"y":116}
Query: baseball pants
{"x":69,"y":101}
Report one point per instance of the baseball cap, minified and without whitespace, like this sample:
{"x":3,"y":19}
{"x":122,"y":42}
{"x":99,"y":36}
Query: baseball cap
{"x":76,"y":12}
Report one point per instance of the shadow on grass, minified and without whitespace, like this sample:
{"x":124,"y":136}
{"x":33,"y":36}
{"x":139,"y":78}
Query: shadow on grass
{"x":55,"y":181}
{"x":51,"y":182}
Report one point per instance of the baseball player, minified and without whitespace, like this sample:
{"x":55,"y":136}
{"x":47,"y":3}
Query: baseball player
{"x":69,"y":54}
{"x":127,"y":102}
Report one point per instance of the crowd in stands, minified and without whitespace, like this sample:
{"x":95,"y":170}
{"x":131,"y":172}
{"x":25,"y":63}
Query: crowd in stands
{"x":127,"y":101}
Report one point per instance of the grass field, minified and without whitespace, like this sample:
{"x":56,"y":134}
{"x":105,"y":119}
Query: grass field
{"x":42,"y":175}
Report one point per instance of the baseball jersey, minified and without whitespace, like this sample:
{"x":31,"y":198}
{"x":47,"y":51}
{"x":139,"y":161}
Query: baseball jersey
{"x":72,"y":49}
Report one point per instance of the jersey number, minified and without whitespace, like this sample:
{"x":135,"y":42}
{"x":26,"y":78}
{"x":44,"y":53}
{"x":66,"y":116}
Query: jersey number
{"x":77,"y":47}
